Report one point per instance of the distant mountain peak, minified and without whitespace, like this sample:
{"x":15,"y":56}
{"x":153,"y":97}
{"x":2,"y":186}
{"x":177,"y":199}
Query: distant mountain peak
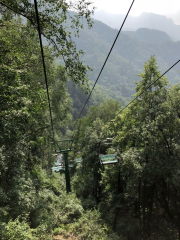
{"x":149,"y":35}
{"x":144,"y":20}
{"x":157,"y":16}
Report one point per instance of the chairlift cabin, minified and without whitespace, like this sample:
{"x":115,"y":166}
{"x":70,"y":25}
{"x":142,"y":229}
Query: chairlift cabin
{"x":71,"y":165}
{"x":59,"y":161}
{"x":58,"y":169}
{"x":78,"y":160}
{"x":56,"y":164}
{"x":108,"y":158}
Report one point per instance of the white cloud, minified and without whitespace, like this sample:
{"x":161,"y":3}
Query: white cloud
{"x":139,"y":6}
{"x":175,"y":16}
{"x":170,"y":8}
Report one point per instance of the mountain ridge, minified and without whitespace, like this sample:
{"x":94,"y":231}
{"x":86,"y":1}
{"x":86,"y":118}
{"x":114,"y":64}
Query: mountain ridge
{"x":129,"y":54}
{"x":145,"y":20}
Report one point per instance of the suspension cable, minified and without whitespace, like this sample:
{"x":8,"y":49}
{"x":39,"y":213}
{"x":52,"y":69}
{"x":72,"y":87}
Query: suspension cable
{"x":44,"y":66}
{"x":106,"y":58}
{"x":133,"y":100}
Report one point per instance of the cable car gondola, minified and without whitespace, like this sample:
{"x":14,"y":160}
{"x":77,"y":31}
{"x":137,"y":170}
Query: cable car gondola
{"x":107,"y":158}
{"x":78,"y":160}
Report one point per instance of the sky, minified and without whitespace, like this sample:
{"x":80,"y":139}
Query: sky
{"x":170,"y":8}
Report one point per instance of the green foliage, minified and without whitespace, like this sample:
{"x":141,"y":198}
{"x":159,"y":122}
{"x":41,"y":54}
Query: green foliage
{"x":147,"y":139}
{"x":58,"y":231}
{"x":57,"y":24}
{"x":104,"y":112}
{"x":89,"y":134}
{"x":130,"y":52}
{"x":33,"y":201}
{"x":27,"y":187}
{"x":16,"y":230}
{"x":79,"y":99}
{"x":138,"y":196}
{"x":88,"y":227}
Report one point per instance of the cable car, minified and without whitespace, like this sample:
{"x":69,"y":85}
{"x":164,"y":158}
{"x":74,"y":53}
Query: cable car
{"x":108,"y":159}
{"x":71,"y":165}
{"x":58,"y":169}
{"x":78,"y":160}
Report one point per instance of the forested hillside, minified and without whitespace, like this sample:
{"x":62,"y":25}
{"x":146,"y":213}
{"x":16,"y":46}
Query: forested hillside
{"x":129,"y":54}
{"x":33,"y":200}
{"x":138,"y":196}
{"x":114,"y":173}
{"x":132,"y":49}
{"x":144,"y":20}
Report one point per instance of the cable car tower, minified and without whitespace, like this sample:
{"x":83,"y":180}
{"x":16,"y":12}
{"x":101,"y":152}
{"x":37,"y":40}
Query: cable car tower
{"x":65,"y":146}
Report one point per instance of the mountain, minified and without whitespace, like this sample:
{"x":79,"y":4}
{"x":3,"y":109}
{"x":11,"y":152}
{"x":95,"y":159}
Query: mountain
{"x":145,"y":20}
{"x":126,"y":61}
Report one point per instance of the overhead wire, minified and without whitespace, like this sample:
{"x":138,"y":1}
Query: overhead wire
{"x":42,"y":53}
{"x":106,"y":58}
{"x":36,"y":8}
{"x":150,"y":85}
{"x":133,"y":100}
{"x":50,"y":40}
{"x":44,"y":65}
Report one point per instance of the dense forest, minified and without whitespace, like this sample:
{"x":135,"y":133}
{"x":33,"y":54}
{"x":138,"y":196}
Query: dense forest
{"x":134,"y":197}
{"x":131,"y":50}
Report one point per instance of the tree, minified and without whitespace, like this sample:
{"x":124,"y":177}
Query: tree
{"x":89,"y":132}
{"x":57,"y":22}
{"x":148,"y":140}
{"x":24,"y":117}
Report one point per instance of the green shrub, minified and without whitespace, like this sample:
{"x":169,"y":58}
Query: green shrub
{"x":88,"y":227}
{"x":58,"y":231}
{"x":16,"y":230}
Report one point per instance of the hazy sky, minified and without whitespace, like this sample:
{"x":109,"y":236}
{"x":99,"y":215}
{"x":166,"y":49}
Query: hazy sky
{"x":164,"y":7}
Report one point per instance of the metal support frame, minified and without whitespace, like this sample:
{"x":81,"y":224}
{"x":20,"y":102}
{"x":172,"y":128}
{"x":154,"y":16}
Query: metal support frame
{"x":65,"y":146}
{"x":67,"y":175}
